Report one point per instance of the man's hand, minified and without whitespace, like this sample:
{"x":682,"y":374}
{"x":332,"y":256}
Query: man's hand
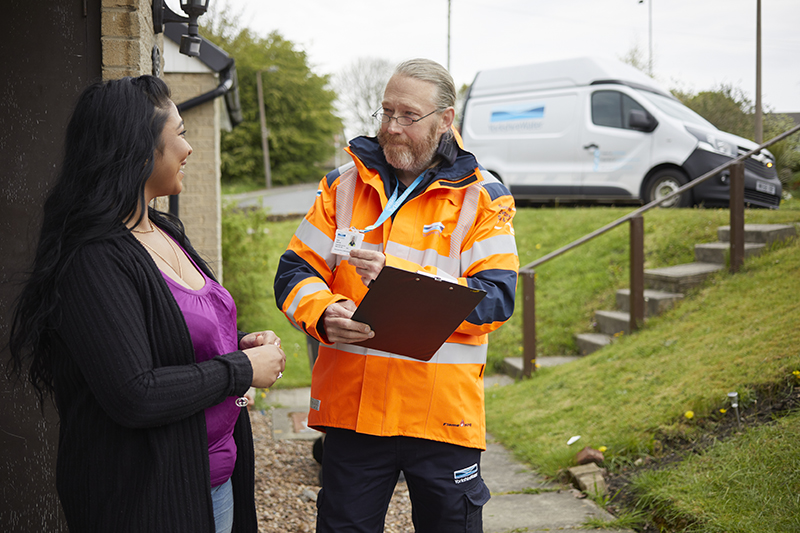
{"x":368,"y":263}
{"x":340,"y":328}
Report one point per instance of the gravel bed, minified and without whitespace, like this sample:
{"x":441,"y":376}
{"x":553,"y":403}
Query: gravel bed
{"x":287,"y":483}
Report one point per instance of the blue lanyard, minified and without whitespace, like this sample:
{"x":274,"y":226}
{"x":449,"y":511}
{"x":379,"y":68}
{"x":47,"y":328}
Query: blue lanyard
{"x":393,"y":204}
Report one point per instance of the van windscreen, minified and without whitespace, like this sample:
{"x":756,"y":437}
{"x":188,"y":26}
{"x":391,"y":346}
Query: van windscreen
{"x":676,"y":109}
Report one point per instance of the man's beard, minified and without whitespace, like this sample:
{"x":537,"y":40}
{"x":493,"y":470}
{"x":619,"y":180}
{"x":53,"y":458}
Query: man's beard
{"x":405,"y":155}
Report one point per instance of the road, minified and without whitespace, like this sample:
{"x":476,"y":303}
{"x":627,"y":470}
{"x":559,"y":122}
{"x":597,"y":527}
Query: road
{"x":289,"y":200}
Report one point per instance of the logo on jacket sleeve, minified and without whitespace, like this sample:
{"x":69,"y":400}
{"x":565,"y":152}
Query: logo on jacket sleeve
{"x":504,"y":219}
{"x":429,"y":228}
{"x":466,"y":474}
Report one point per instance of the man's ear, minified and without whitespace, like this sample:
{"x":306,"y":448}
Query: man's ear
{"x":448,"y":116}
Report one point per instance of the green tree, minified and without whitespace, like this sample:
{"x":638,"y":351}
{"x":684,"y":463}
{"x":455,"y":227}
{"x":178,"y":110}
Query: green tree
{"x":299,"y":107}
{"x":726,"y":107}
{"x":637,"y":59}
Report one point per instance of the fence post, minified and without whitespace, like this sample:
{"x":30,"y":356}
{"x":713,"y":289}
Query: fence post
{"x":637,"y":273}
{"x":528,"y":322}
{"x":737,"y":217}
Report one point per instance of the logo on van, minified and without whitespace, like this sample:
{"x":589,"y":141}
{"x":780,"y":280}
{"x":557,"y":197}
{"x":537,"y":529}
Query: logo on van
{"x":526,"y":112}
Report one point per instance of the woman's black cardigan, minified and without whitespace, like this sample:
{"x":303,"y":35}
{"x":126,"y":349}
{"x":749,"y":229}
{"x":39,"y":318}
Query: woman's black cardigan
{"x":133,"y":447}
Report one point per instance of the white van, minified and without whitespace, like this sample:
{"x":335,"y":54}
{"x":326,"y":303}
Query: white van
{"x":600,"y":130}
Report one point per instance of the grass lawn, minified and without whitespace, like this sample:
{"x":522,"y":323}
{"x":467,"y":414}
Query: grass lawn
{"x":750,"y":483}
{"x":669,"y":382}
{"x":737,"y":334}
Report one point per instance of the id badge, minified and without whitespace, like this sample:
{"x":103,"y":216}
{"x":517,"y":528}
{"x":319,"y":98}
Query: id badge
{"x":347,"y":240}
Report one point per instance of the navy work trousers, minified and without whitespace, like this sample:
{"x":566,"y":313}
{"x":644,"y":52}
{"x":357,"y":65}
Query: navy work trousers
{"x":359,"y":474}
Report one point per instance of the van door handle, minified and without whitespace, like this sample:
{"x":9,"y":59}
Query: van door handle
{"x":591,"y":147}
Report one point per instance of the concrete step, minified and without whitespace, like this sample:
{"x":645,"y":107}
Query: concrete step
{"x":760,"y":233}
{"x":512,"y":366}
{"x":679,"y":278}
{"x":613,"y":322}
{"x":719,"y":252}
{"x":591,"y":342}
{"x":655,"y":302}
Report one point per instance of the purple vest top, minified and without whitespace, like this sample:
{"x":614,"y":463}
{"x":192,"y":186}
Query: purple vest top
{"x":210,"y":315}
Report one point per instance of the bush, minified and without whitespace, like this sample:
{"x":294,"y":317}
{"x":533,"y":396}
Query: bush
{"x":251,"y":248}
{"x":245,"y":260}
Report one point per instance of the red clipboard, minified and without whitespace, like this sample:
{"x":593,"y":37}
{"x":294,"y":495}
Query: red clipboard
{"x":413,"y":314}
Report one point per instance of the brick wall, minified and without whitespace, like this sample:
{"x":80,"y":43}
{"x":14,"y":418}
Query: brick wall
{"x":127,"y":38}
{"x":200,"y":200}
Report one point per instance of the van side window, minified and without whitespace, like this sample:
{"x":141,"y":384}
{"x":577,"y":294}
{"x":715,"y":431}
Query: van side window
{"x":613,"y":108}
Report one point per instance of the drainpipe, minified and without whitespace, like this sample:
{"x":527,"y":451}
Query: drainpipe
{"x":222,"y":89}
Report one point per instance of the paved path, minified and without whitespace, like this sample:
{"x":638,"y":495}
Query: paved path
{"x":510,"y":509}
{"x":289,"y":200}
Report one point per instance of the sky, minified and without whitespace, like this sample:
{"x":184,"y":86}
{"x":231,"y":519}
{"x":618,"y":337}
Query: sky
{"x":697,"y":44}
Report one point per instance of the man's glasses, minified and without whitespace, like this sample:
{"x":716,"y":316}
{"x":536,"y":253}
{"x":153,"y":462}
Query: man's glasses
{"x":402,"y":120}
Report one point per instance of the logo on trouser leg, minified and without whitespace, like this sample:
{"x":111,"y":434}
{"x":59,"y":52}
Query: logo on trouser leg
{"x":466,"y":474}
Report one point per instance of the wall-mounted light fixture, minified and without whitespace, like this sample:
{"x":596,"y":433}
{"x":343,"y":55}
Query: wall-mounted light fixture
{"x":162,"y":14}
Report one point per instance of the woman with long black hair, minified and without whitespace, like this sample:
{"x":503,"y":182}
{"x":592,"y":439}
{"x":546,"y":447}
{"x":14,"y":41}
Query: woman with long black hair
{"x":125,"y":325}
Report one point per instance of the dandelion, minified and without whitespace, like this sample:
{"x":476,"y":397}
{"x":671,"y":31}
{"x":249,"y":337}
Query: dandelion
{"x":602,"y":449}
{"x":723,"y":410}
{"x":689,"y":414}
{"x":263,"y":395}
{"x":538,"y":246}
{"x":796,"y":374}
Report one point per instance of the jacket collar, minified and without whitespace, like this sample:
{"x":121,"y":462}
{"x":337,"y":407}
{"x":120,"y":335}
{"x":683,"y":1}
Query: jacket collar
{"x":460,"y":164}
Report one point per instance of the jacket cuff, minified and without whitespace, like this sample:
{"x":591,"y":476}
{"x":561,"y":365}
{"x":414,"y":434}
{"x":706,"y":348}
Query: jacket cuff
{"x":240,"y":372}
{"x":317,"y":328}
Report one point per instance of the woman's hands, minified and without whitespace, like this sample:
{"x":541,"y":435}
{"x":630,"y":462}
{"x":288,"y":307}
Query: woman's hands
{"x":266,"y":357}
{"x":251,"y":340}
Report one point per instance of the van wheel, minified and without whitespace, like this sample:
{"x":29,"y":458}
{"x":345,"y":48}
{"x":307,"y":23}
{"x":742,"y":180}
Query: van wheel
{"x":665,"y":182}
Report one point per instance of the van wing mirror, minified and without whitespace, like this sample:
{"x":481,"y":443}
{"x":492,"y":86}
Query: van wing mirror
{"x":641,"y":120}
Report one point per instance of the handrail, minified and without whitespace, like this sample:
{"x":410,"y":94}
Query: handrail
{"x":654,"y":203}
{"x":637,"y":315}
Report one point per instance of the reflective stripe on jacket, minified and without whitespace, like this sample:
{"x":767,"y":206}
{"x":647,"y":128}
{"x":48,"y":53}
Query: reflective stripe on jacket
{"x":458,"y":225}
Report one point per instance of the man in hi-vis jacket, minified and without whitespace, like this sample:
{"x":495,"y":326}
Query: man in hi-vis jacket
{"x":413,"y":199}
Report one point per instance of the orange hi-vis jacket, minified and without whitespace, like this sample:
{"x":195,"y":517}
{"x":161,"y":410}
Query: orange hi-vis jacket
{"x":457,"y":223}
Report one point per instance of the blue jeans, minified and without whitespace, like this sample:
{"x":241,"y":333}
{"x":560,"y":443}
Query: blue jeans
{"x":222,"y":497}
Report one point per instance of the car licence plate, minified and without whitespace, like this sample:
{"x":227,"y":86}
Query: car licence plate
{"x":765,"y":187}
